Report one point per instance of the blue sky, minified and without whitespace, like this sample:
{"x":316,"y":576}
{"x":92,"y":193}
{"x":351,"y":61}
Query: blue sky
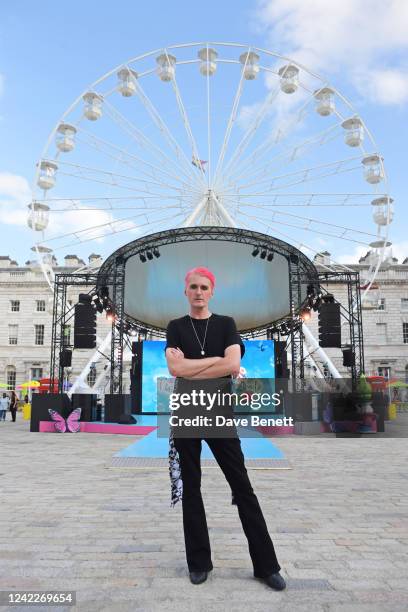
{"x":50,"y":53}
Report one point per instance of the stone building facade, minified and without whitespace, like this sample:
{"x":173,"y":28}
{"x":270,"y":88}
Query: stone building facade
{"x":26,"y":307}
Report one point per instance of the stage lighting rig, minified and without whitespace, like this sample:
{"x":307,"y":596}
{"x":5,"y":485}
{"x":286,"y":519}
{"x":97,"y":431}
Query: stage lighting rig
{"x":96,"y":302}
{"x":142,"y":257}
{"x":263,"y":254}
{"x":255,"y":252}
{"x":156,"y":253}
{"x":149,"y":255}
{"x":270,"y":256}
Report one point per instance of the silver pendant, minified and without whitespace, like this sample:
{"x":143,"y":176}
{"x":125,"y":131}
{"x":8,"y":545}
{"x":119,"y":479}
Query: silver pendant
{"x":202,"y":352}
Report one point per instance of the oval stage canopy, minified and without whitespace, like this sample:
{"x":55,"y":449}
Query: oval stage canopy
{"x":257,"y":276}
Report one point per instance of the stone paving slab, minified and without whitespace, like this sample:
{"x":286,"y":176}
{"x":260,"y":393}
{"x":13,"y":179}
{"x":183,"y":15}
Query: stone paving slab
{"x":69,"y":521}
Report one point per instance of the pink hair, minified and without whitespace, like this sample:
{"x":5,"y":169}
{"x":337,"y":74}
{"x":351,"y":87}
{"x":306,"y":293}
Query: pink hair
{"x":201,"y":272}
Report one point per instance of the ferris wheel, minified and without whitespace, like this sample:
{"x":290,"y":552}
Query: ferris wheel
{"x":211,"y":134}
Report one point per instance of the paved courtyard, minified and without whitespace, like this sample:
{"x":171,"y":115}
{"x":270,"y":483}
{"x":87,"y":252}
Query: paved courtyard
{"x":69,"y":521}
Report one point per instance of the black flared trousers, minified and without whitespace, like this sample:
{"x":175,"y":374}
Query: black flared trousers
{"x":229,"y":456}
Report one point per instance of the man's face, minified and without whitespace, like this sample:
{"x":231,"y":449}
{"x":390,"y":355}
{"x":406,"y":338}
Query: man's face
{"x":199,"y":291}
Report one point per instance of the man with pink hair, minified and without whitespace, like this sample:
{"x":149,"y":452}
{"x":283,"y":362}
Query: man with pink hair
{"x":203,"y":346}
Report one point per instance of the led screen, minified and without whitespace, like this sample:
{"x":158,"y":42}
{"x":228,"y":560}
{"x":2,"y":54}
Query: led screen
{"x":258,"y":362}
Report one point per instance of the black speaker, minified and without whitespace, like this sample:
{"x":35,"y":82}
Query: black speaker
{"x":87,"y":403}
{"x":116,"y":407}
{"x":41,"y":403}
{"x":66,"y":358}
{"x":84,"y":326}
{"x":329,"y":325}
{"x":136,"y":377}
{"x":281,"y":360}
{"x":349,"y":359}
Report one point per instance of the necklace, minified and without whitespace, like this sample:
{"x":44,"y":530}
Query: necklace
{"x":205,"y":335}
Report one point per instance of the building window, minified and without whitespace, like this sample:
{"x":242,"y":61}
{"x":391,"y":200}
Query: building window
{"x":405,"y":333}
{"x":381,"y":304}
{"x":91,"y":378}
{"x":36,"y":373}
{"x":40,"y":305}
{"x":11,"y":377}
{"x":39,"y":334}
{"x":67,"y":335}
{"x":381,"y":333}
{"x":384,"y":371}
{"x":13,"y":334}
{"x":15,"y":305}
{"x":404,"y":304}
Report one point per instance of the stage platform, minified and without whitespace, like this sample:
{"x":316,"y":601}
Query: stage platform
{"x":152,"y":451}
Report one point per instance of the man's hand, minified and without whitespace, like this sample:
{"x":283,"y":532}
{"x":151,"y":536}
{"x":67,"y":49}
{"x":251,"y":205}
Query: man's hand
{"x":176,"y":353}
{"x":185,"y":368}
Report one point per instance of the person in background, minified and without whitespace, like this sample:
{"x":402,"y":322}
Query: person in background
{"x":26,"y":408}
{"x":13,"y":406}
{"x":4,"y":406}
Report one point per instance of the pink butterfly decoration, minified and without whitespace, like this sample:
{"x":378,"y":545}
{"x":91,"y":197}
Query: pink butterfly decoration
{"x":70,"y":424}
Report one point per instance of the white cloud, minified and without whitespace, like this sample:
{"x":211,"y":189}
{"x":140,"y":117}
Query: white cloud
{"x":353,"y":257}
{"x":15,"y":195}
{"x":359,"y":38}
{"x":398,"y":250}
{"x":385,"y":86}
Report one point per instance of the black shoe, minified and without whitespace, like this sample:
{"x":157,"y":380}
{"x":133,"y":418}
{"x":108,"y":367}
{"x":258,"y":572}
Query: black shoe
{"x":198,"y":577}
{"x":275,"y":581}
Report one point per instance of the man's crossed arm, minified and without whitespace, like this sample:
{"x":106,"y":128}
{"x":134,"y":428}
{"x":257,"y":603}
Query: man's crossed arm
{"x":210,"y":367}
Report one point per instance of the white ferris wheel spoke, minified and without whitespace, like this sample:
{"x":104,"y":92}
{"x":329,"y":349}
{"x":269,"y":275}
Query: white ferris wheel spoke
{"x":186,"y":122}
{"x":99,"y":144}
{"x":88,"y":173}
{"x":300,"y":244}
{"x":304,"y":200}
{"x":82,"y":236}
{"x":162,"y":157}
{"x":231,"y":121}
{"x":307,"y":221}
{"x":268,"y":143}
{"x":304,"y":175}
{"x":208,"y":129}
{"x":264,"y":221}
{"x":288,"y":155}
{"x":164,"y":130}
{"x":78,"y":204}
{"x":251,"y":131}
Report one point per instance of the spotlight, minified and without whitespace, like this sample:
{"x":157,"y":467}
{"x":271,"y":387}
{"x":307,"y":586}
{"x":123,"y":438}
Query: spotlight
{"x":328,"y":298}
{"x":255,"y":252}
{"x":294,"y":258}
{"x":142,"y":257}
{"x":156,"y":253}
{"x":305,"y":314}
{"x":284,"y":329}
{"x":263,"y":253}
{"x":270,"y":256}
{"x":149,"y":255}
{"x":133,"y":332}
{"x":110,"y":315}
